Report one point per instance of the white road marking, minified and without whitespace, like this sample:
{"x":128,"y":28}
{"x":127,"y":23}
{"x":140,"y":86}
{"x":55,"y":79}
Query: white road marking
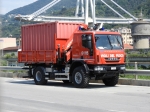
{"x":115,"y":111}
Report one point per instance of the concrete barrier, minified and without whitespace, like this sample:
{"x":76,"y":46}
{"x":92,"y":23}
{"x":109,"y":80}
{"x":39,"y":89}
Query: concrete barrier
{"x":128,"y":82}
{"x":137,"y":82}
{"x":12,"y":75}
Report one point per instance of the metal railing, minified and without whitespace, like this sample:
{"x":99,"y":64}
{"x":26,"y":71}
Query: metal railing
{"x":136,"y":71}
{"x":11,"y":68}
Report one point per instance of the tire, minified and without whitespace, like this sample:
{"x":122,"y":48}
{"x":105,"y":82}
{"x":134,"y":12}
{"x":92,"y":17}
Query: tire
{"x":39,"y":76}
{"x":111,"y":81}
{"x":79,"y":77}
{"x":66,"y":82}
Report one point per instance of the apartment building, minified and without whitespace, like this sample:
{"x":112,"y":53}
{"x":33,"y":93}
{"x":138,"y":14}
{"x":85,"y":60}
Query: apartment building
{"x":126,"y":35}
{"x":7,"y":42}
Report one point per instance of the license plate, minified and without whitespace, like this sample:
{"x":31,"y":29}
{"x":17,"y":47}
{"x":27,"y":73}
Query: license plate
{"x":113,"y":68}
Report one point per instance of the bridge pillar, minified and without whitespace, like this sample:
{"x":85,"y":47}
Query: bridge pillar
{"x":141,"y":34}
{"x":86,"y":11}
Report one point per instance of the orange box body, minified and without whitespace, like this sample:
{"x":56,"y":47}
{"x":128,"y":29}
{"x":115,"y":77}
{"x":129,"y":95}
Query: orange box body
{"x":40,"y":41}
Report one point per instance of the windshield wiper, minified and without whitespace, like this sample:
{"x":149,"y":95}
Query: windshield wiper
{"x":119,"y":42}
{"x":109,"y":41}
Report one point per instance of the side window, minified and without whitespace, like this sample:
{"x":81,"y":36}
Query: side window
{"x":84,"y":41}
{"x":87,"y":43}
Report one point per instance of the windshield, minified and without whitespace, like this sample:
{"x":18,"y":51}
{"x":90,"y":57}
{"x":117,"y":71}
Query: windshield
{"x":108,"y":42}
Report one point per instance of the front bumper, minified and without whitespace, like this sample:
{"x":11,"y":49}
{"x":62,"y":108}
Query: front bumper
{"x":109,"y":69}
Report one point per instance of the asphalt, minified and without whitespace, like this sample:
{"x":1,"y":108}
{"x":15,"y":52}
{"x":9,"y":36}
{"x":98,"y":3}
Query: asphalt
{"x":22,"y":95}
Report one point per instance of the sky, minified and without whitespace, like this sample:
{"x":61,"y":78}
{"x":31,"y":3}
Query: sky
{"x":8,"y":5}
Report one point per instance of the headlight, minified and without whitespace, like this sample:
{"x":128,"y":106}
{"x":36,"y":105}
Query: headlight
{"x":98,"y":68}
{"x":122,"y":68}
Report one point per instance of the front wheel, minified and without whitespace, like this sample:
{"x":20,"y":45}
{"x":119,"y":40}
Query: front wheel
{"x":79,"y":77}
{"x":111,"y":81}
{"x":39,"y":76}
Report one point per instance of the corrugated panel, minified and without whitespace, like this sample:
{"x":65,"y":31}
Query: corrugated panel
{"x":38,"y":37}
{"x":51,"y":33}
{"x":66,"y":30}
{"x":42,"y":36}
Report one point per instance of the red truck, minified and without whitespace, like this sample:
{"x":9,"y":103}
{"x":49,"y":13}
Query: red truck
{"x":72,"y":53}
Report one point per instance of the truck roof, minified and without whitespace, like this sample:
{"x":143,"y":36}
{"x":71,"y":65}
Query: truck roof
{"x":101,"y":32}
{"x":58,"y":22}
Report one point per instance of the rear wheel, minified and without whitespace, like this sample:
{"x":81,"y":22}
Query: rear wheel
{"x":39,"y":76}
{"x":111,"y":81}
{"x":79,"y":77}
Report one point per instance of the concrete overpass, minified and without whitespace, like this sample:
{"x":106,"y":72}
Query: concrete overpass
{"x":84,"y":6}
{"x":90,"y":20}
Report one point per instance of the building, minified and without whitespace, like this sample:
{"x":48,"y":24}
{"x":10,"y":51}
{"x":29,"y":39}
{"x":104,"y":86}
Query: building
{"x":9,"y":46}
{"x":128,"y":46}
{"x":126,"y":35}
{"x":7,"y":42}
{"x":12,"y":61}
{"x":11,"y":50}
{"x":18,"y":42}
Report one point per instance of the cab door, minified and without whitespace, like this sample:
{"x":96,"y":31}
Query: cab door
{"x":83,"y":48}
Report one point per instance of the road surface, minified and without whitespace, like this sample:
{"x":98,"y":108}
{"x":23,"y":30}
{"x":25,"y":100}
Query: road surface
{"x":21,"y":95}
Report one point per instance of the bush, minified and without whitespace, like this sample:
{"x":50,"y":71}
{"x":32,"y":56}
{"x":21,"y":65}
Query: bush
{"x":3,"y":63}
{"x":8,"y":55}
{"x":143,"y":67}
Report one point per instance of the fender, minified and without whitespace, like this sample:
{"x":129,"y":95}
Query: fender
{"x":79,"y":63}
{"x":86,"y":68}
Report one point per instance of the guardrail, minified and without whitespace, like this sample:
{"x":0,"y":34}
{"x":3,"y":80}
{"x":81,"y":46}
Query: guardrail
{"x":11,"y":68}
{"x":137,"y":72}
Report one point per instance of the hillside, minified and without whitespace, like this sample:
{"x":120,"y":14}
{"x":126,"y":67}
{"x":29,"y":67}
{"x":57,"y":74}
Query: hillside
{"x":67,"y":8}
{"x":145,"y":7}
{"x":101,"y":9}
{"x":29,"y":9}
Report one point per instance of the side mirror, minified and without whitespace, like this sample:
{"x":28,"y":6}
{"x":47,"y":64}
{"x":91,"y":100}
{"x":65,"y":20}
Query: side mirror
{"x":83,"y":37}
{"x":89,"y":41}
{"x":86,"y":38}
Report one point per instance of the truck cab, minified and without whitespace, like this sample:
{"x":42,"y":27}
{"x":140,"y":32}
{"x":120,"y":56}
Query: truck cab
{"x":102,"y":52}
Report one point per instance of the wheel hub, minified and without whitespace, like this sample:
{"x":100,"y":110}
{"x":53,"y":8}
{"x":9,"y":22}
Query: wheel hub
{"x":38,"y":76}
{"x":78,"y":77}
